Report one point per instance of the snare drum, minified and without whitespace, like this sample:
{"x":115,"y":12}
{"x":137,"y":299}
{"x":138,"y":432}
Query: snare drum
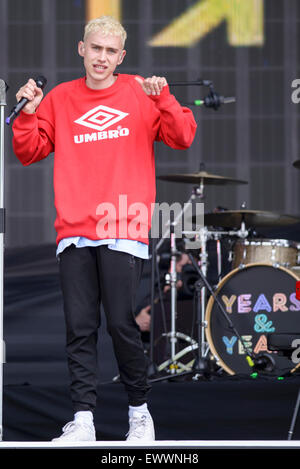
{"x":277,"y":252}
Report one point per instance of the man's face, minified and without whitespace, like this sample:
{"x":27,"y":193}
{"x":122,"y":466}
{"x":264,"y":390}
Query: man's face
{"x":101,"y":55}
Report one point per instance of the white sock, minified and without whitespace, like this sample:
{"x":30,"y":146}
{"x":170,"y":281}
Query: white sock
{"x":84,"y":415}
{"x":140,"y":409}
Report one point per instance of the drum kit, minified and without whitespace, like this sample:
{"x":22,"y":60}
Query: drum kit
{"x":255,"y":298}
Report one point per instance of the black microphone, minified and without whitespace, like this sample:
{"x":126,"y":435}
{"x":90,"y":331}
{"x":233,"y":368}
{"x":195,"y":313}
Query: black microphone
{"x":40,"y":82}
{"x":213,"y":100}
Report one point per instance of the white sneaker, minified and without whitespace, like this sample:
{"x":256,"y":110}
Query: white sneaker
{"x":141,"y":428}
{"x":77,"y":431}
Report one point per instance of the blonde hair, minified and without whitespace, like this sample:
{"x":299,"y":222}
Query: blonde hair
{"x":107,"y":25}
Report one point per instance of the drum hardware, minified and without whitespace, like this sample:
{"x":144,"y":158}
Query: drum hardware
{"x":282,"y":343}
{"x":172,"y":365}
{"x":200,"y":365}
{"x":200,"y":297}
{"x":201,"y":178}
{"x":219,"y":257}
{"x":175,"y":359}
{"x":173,"y":284}
{"x":264,"y":362}
{"x":171,"y":277}
{"x":251,"y":218}
{"x":197,"y":193}
{"x":204,"y":234}
{"x":201,"y":292}
{"x":198,"y":362}
{"x":277,"y":252}
{"x":257,"y":362}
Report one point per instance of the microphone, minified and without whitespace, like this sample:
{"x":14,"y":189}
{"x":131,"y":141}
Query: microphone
{"x":40,"y":82}
{"x":213,"y":100}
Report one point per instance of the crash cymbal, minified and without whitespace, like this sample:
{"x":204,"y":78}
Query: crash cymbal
{"x":251,"y":218}
{"x":201,"y":177}
{"x":296,"y":164}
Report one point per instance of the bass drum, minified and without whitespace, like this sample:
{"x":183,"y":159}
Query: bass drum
{"x":258,"y":299}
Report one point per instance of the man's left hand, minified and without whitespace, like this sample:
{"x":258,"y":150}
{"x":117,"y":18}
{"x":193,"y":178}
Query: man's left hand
{"x":152,"y":86}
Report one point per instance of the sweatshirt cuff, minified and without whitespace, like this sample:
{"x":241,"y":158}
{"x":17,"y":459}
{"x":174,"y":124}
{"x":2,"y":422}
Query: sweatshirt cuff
{"x":24,"y":118}
{"x":164,"y":99}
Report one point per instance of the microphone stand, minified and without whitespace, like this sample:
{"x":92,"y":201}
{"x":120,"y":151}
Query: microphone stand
{"x":2,"y":220}
{"x":213,"y":100}
{"x":191,"y":83}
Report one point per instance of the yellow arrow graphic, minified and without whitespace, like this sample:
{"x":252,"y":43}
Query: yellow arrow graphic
{"x":245,"y":23}
{"x":96,"y":8}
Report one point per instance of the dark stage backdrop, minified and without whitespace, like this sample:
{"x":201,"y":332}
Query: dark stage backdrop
{"x":255,"y":139}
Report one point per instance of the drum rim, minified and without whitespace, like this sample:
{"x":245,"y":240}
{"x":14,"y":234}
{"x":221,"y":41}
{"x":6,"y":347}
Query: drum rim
{"x":286,"y":242}
{"x":211,"y":302}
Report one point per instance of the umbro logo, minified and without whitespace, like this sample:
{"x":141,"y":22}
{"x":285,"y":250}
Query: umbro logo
{"x":101,"y":117}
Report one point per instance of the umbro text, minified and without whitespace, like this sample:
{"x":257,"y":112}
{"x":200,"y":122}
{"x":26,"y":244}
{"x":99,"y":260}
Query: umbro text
{"x":103,"y":135}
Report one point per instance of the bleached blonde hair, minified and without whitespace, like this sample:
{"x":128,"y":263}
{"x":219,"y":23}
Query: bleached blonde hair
{"x":107,"y":25}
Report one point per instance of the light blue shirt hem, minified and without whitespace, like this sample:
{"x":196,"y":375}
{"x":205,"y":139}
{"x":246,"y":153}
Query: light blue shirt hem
{"x":135,"y":248}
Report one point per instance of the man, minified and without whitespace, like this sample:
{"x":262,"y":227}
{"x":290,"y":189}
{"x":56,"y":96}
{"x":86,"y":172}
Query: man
{"x":102,"y":128}
{"x":143,"y":313}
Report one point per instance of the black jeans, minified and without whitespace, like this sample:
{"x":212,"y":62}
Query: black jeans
{"x":88,"y":276}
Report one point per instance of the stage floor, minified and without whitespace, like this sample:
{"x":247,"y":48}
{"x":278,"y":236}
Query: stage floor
{"x":166,"y":444}
{"x":223,"y":409}
{"x":36,"y":402}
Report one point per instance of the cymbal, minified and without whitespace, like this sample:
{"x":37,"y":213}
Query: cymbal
{"x":296,"y":164}
{"x":197,"y":178}
{"x":251,"y":218}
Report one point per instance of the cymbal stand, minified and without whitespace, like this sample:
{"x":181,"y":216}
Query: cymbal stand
{"x":204,"y":235}
{"x":197,"y":193}
{"x":203,"y":266}
{"x":173,"y":283}
{"x":201,"y":362}
{"x":171,"y":279}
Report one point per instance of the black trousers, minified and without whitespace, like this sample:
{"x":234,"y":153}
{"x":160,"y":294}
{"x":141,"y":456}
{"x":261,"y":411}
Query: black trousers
{"x":88,"y":276}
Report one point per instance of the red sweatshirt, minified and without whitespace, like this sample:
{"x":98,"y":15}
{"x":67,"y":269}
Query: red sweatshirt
{"x":104,"y":173}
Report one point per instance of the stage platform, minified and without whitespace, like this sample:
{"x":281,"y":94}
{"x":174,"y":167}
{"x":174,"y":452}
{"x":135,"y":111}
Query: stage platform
{"x":223,"y":410}
{"x":167,"y":444}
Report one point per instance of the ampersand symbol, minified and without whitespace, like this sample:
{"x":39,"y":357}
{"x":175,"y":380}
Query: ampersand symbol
{"x":262,"y":324}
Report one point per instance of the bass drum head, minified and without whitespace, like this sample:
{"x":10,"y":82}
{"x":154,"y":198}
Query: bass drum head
{"x":259,"y":299}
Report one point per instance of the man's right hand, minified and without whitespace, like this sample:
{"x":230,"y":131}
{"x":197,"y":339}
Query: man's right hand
{"x":143,"y":319}
{"x":33,"y":93}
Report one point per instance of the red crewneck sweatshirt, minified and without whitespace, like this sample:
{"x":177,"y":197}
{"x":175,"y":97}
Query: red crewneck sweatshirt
{"x":104,"y":172}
